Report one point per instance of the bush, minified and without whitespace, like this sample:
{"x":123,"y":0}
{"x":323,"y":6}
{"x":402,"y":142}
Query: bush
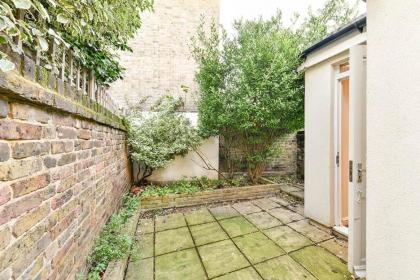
{"x":191,"y":185}
{"x":156,"y":140}
{"x":251,"y":93}
{"x":112,"y":243}
{"x":94,"y":29}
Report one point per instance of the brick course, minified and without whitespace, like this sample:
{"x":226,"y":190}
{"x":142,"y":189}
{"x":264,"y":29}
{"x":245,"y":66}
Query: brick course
{"x":212,"y":196}
{"x":161,"y":61}
{"x":61,"y":177}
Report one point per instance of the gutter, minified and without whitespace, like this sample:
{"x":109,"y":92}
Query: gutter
{"x":358,"y":24}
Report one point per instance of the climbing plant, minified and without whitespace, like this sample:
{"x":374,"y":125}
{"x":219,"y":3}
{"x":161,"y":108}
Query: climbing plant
{"x":95,"y":29}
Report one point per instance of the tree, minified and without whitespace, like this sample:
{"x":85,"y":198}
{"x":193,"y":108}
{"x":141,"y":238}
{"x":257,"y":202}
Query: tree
{"x":251,"y":93}
{"x":156,"y":139}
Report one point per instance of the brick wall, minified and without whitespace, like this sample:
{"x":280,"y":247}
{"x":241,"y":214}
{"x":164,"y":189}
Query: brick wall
{"x":300,"y":164}
{"x":282,"y":163}
{"x":161,"y":61}
{"x":63,"y":170}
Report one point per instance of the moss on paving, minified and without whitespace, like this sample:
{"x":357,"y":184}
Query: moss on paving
{"x":237,"y":226}
{"x":222,"y":244}
{"x":321,"y":263}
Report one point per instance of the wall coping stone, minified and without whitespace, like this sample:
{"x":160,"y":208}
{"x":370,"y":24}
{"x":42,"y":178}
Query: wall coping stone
{"x":211,"y":196}
{"x":15,"y":85}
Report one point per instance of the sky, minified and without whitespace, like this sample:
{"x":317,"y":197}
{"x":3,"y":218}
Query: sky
{"x":231,"y":10}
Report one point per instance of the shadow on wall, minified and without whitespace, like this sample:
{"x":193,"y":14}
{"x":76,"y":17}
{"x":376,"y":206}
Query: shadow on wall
{"x":190,"y":165}
{"x":288,"y":162}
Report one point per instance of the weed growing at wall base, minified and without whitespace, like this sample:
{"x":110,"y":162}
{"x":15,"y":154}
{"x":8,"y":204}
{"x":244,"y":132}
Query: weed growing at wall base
{"x":113,"y":243}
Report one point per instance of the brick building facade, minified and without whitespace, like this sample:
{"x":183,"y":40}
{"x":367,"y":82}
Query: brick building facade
{"x":161,"y":62}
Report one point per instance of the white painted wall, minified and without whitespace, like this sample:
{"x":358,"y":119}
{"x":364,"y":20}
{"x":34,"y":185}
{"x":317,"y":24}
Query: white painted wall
{"x":393,"y":140}
{"x":319,"y":126}
{"x":318,"y":143}
{"x":191,"y":165}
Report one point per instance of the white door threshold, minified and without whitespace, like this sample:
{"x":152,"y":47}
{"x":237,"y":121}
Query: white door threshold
{"x":344,"y":231}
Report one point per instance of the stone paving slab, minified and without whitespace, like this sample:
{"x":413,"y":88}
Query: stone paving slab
{"x":140,"y":270}
{"x":201,"y":216}
{"x":145,"y":226}
{"x":243,"y":274}
{"x":265,"y":204}
{"x":285,"y":215}
{"x":143,"y":247}
{"x":246,"y":208}
{"x":237,"y":226}
{"x":263,"y":220}
{"x":284,"y":268}
{"x":171,"y":221}
{"x":279,"y":200}
{"x":221,"y":257}
{"x":337,"y":247}
{"x":288,"y":239}
{"x":173,"y":240}
{"x":224,"y":212}
{"x":255,"y":240}
{"x":182,"y":265}
{"x":310,"y":231}
{"x":257,"y":247}
{"x":207,"y":233}
{"x":321,"y":263}
{"x":297,"y":207}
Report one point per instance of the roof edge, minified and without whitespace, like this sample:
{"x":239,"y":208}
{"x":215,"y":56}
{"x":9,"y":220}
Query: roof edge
{"x":357,"y":24}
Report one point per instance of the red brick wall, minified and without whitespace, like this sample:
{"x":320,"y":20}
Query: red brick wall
{"x":61,"y":177}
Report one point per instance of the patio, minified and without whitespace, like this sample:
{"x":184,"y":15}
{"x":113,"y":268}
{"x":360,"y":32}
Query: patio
{"x":261,"y":239}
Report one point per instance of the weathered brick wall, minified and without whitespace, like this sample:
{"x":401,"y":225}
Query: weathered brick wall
{"x":63,"y":170}
{"x":300,"y":164}
{"x":161,"y":60}
{"x":283,"y":163}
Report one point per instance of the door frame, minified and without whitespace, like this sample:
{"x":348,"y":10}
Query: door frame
{"x":357,"y":189}
{"x":338,"y":77}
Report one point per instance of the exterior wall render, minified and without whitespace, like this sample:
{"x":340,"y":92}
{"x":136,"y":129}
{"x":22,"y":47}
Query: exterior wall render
{"x":393,"y":133}
{"x":320,"y":101}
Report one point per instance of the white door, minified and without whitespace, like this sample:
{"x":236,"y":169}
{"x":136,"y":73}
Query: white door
{"x":357,"y":155}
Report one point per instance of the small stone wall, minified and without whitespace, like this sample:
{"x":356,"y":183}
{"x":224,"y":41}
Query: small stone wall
{"x":221,"y":195}
{"x":63,"y":170}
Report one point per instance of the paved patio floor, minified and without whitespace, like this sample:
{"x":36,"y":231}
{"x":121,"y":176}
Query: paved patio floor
{"x":262,"y":239}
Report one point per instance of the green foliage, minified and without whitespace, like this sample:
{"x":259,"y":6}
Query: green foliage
{"x":250,"y":90}
{"x":156,"y":139}
{"x":192,"y":185}
{"x":112,"y":243}
{"x":95,"y":29}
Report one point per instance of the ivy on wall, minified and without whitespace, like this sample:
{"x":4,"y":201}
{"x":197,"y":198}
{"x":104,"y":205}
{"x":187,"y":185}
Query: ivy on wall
{"x":94,"y":29}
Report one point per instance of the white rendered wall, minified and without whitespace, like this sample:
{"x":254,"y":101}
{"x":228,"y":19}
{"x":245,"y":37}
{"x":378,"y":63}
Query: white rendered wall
{"x":393,"y":140}
{"x":191,"y":165}
{"x":318,"y":143}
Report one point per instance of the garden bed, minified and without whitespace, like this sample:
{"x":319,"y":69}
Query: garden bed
{"x":209,"y":196}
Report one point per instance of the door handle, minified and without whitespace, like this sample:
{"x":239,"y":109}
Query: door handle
{"x":360,"y":171}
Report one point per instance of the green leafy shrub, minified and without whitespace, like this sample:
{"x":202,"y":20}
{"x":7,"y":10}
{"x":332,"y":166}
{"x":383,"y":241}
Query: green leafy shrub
{"x":155,"y":140}
{"x":251,"y":93}
{"x":94,"y":29}
{"x":112,"y":243}
{"x":190,"y":185}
